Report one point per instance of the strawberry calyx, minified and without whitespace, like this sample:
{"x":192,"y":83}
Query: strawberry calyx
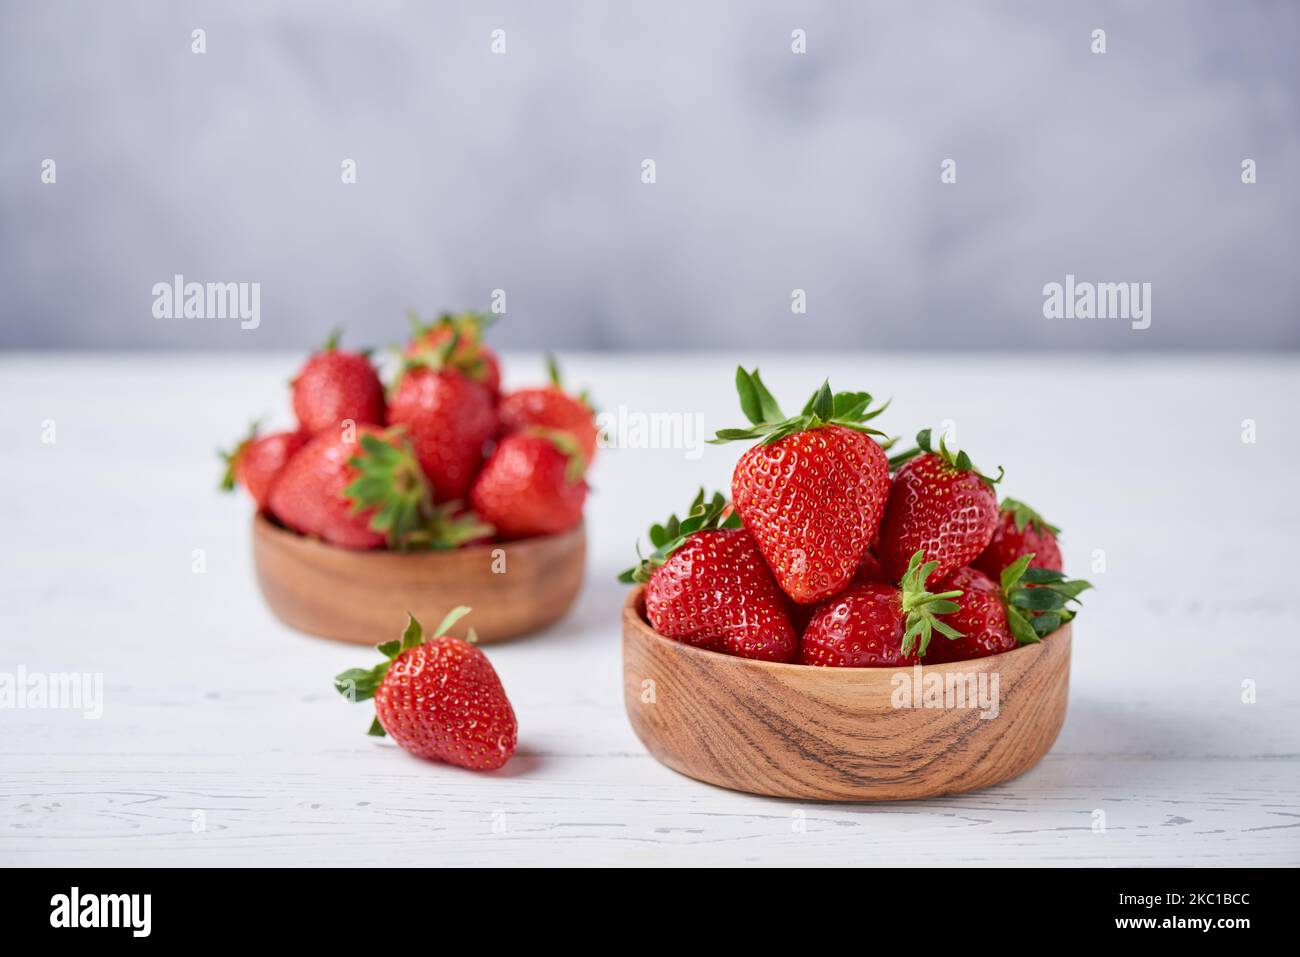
{"x":232,"y":457}
{"x":557,"y":382}
{"x":714,"y":513}
{"x":921,"y":607}
{"x":1023,"y":516}
{"x":1036,"y":599}
{"x":470,"y":325}
{"x":360,"y":684}
{"x":389,"y":481}
{"x":959,"y":461}
{"x":848,"y":409}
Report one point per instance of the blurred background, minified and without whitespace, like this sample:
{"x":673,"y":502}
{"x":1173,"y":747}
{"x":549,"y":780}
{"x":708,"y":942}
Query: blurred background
{"x":774,"y":171}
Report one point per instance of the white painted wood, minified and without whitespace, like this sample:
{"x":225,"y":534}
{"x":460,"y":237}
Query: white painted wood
{"x":211,"y":706}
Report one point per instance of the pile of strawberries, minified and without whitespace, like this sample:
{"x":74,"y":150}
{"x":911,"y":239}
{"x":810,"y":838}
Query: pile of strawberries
{"x":439,"y":459}
{"x":831,"y":552}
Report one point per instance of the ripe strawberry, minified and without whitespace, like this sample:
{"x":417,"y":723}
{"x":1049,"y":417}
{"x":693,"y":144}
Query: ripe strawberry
{"x":813,"y":492}
{"x":875,"y":625}
{"x":257,"y":461}
{"x":1024,"y":606}
{"x":447,"y":419}
{"x":707,"y":585}
{"x":550,"y":407}
{"x":439,"y":698}
{"x":1020,"y":530}
{"x":531,"y":485}
{"x":335,"y":386}
{"x":464,"y":332}
{"x":940,"y":504}
{"x":364,"y":494}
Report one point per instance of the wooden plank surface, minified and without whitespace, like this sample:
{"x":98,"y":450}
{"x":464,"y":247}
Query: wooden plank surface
{"x":222,"y":742}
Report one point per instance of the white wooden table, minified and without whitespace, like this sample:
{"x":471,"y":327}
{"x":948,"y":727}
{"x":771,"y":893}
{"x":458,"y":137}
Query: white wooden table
{"x":222,"y":741}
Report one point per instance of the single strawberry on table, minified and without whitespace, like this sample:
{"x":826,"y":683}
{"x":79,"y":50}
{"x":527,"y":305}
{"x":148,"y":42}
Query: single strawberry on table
{"x":532,"y":484}
{"x":550,"y":407}
{"x":1022,"y":606}
{"x":707,"y":585}
{"x":875,"y":625}
{"x":446,"y":417}
{"x":471,"y":354}
{"x":438,"y":698}
{"x":812,"y":492}
{"x":1019,"y":531}
{"x":335,"y":386}
{"x":941,"y":504}
{"x":364,"y":491}
{"x":257,"y":461}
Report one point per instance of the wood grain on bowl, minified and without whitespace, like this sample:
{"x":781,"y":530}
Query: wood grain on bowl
{"x":363,"y":596}
{"x":839,"y":734}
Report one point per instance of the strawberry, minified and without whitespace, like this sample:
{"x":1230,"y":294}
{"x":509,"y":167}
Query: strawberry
{"x":364,"y":494}
{"x":941,"y":505}
{"x":813,"y":491}
{"x":875,"y":625}
{"x":258,"y":460}
{"x":550,"y":407}
{"x":707,"y":585}
{"x":439,"y":698}
{"x":1025,"y":606}
{"x":464,"y":331}
{"x":335,"y":386}
{"x":1020,"y":530}
{"x":532,"y":485}
{"x":447,"y":418}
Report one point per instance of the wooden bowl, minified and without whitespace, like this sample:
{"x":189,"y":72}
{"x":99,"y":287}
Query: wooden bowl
{"x":363,"y":596}
{"x":835,"y":734}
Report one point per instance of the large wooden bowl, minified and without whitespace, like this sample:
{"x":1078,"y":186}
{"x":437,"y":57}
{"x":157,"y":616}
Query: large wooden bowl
{"x":834,"y":734}
{"x":363,"y":596}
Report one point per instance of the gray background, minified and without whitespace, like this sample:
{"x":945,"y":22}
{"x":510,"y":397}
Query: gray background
{"x":775,"y":171}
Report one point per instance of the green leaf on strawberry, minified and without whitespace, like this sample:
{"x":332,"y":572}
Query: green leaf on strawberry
{"x":389,"y":481}
{"x":672,"y":533}
{"x":767,"y":421}
{"x":920,"y":607}
{"x":1036,"y":599}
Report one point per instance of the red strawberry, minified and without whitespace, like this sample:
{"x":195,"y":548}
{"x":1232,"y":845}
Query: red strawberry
{"x":812,"y":493}
{"x":447,"y":419}
{"x":439,"y":698}
{"x":875,"y":625}
{"x":707,"y":585}
{"x":1020,"y":530}
{"x":550,"y":407}
{"x":335,"y":386}
{"x":940,"y":504}
{"x":981,"y":620}
{"x":364,"y":495}
{"x":531,"y":485}
{"x":257,"y":461}
{"x":479,"y":363}
{"x":1025,"y":606}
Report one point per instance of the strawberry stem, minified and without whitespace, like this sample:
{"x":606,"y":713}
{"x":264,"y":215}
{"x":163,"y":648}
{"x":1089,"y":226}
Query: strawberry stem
{"x":768,"y":423}
{"x":714,"y":513}
{"x":921,"y":607}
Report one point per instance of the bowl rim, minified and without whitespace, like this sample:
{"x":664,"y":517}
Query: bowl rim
{"x":265,"y":524}
{"x":634,"y":612}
